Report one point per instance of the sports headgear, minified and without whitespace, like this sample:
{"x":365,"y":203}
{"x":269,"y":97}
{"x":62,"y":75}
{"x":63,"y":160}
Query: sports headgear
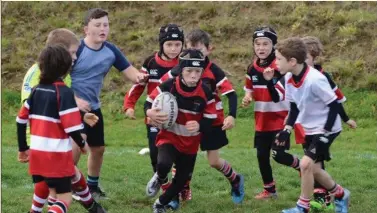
{"x":265,"y":32}
{"x":170,"y":32}
{"x":196,"y":59}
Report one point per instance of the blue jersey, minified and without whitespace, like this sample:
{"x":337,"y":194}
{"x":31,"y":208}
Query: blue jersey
{"x":90,"y":69}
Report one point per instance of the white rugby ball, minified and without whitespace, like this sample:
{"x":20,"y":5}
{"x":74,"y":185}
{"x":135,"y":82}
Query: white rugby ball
{"x":168,"y":104}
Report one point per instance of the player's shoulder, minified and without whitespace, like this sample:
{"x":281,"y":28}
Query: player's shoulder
{"x":207,"y":91}
{"x":216,"y":69}
{"x":149,"y":60}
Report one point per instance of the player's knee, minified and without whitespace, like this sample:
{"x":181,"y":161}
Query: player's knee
{"x":263,"y":155}
{"x":163,"y":167}
{"x":306,"y":164}
{"x":97,"y":151}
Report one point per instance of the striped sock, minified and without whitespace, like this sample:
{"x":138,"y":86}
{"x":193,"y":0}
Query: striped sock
{"x":270,"y":187}
{"x":92,"y":182}
{"x":58,"y":207}
{"x":51,"y":201}
{"x":337,"y":191}
{"x":304,"y":203}
{"x":81,"y":188}
{"x":228,"y":171}
{"x":40,"y":196}
{"x":296,"y":163}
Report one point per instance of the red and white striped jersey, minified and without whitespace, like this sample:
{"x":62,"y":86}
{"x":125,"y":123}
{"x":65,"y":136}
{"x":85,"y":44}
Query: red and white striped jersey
{"x":214,"y":77}
{"x":156,"y":67}
{"x":269,"y":116}
{"x":52,"y":113}
{"x":192,"y":106}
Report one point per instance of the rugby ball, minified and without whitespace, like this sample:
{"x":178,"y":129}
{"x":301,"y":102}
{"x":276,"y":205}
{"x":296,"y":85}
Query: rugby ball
{"x":168,"y":104}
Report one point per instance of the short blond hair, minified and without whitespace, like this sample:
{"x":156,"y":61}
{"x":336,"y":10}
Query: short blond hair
{"x":62,"y":36}
{"x":313,"y":45}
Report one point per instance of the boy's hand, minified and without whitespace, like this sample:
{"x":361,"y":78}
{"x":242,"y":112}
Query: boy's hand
{"x":90,"y":119}
{"x":85,"y":149}
{"x":268,"y":73}
{"x":157,"y":117}
{"x":352,"y":124}
{"x":23,"y":157}
{"x":192,"y":126}
{"x":82,"y":104}
{"x":130,"y":113}
{"x":228,"y":123}
{"x":246,"y":100}
{"x":141,"y":77}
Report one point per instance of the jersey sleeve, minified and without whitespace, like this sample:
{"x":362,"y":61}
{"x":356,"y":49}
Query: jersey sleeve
{"x":248,"y":87}
{"x":280,"y":88}
{"x":120,"y":62}
{"x":69,"y":113}
{"x":287,"y":93}
{"x":339,"y":94}
{"x":222,"y":82}
{"x":321,"y":88}
{"x":31,"y":80}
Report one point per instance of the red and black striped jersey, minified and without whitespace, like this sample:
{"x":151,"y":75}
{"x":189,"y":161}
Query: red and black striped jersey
{"x":269,"y":116}
{"x":156,"y":67}
{"x":192,"y":106}
{"x":214,"y":77}
{"x":52,"y":113}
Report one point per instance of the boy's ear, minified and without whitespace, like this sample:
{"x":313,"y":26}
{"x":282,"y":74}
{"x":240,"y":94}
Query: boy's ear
{"x":85,"y":30}
{"x":211,"y":48}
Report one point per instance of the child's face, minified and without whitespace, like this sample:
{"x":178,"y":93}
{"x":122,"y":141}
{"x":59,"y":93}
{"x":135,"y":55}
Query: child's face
{"x":309,"y":59}
{"x":73,"y":50}
{"x":262,"y":47}
{"x":191,"y":76}
{"x":282,"y":63}
{"x":98,"y":29}
{"x":199,"y":46}
{"x":172,"y":48}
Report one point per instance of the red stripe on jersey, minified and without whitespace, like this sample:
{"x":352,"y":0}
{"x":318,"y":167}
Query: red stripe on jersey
{"x":339,"y":94}
{"x":197,"y":92}
{"x":269,"y":121}
{"x":261,"y":94}
{"x":248,"y":82}
{"x":291,"y":81}
{"x":47,"y":129}
{"x":23,"y":113}
{"x":151,"y":86}
{"x":184,"y":144}
{"x":225,"y":86}
{"x":261,"y":69}
{"x":183,"y":117}
{"x":41,"y":163}
{"x":71,"y":119}
{"x":164,"y":63}
{"x":132,"y":96}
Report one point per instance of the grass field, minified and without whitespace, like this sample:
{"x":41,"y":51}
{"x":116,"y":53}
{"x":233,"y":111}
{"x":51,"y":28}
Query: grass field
{"x":125,"y":173}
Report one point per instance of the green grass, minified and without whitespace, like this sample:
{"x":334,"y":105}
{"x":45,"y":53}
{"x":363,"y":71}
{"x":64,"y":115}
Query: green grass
{"x":125,"y":173}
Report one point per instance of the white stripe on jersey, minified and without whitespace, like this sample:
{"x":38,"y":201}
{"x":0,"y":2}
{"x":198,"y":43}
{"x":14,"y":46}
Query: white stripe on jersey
{"x":149,"y":99}
{"x":44,"y":118}
{"x":219,"y":105}
{"x":247,"y":90}
{"x":26,"y":105}
{"x":261,"y":106}
{"x":50,"y":144}
{"x":211,"y":116}
{"x":74,"y":128}
{"x":75,"y":109}
{"x":188,"y":111}
{"x":181,"y":130}
{"x":222,"y":81}
{"x":154,"y":80}
{"x":247,"y":76}
{"x":210,"y":101}
{"x":21,"y":121}
{"x":228,"y":92}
